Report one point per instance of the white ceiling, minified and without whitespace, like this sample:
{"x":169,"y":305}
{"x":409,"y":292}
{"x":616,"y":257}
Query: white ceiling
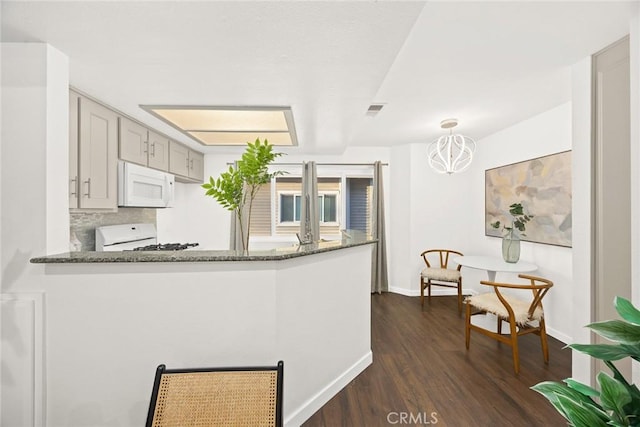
{"x":490,"y":64}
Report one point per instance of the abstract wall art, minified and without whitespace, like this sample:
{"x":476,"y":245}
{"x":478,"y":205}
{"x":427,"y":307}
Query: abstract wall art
{"x":543,"y":186}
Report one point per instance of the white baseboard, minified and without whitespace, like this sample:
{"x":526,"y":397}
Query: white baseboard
{"x":312,"y":405}
{"x":559,"y":335}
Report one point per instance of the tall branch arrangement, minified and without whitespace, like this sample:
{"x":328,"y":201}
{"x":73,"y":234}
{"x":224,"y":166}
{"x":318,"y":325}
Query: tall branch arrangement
{"x":236,"y":188}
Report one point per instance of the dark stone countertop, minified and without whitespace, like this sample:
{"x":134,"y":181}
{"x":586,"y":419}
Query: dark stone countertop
{"x":277,"y":254}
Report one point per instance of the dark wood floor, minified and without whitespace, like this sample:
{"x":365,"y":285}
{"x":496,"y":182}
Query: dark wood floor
{"x":420,"y":366}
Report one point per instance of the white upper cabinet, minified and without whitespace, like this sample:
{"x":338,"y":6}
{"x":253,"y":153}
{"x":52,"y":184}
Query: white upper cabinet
{"x":178,"y":159}
{"x":133,"y":142}
{"x":98,"y":156}
{"x":158,"y":151}
{"x":143,"y":146}
{"x":185,"y":163}
{"x":74,"y":183}
{"x":196,"y":165}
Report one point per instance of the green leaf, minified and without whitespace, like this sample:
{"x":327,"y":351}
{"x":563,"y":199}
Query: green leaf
{"x":582,"y":388}
{"x":552,"y":390}
{"x":602,"y":351}
{"x":617,"y":330}
{"x":579,"y":415}
{"x":614,"y":395}
{"x":627,"y":311}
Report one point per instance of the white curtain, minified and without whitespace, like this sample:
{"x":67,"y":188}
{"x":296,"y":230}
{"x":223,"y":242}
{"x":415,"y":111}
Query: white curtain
{"x":309,"y":220}
{"x":379,"y":276}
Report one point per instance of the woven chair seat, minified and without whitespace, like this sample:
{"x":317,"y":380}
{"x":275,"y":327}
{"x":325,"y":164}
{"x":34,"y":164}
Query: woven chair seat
{"x":228,"y":397}
{"x":490,"y":303}
{"x":443,"y":274}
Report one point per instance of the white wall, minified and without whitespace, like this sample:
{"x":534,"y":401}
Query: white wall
{"x":546,"y":133}
{"x":582,"y":200}
{"x":635,"y":166}
{"x":34,"y":217}
{"x":448,"y":211}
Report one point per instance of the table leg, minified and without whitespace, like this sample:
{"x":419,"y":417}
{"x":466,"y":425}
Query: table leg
{"x":491,"y":275}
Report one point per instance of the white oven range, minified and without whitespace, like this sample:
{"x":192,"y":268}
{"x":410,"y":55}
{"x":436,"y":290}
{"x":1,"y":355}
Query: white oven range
{"x":134,"y":237}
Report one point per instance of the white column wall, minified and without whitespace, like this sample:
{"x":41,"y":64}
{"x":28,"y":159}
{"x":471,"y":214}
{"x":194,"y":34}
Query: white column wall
{"x":582,"y":212}
{"x":635,"y":166}
{"x":34,"y":215}
{"x":400,"y":219}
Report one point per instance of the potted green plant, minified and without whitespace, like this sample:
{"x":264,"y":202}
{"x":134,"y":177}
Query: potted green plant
{"x":617,"y":402}
{"x":236,"y":188}
{"x":511,"y":239}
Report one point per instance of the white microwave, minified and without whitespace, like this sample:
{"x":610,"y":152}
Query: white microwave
{"x":142,"y":187}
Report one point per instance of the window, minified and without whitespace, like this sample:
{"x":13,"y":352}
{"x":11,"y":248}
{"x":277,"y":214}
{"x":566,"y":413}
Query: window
{"x":328,"y":208}
{"x":359,"y":199}
{"x":344,"y":202}
{"x":290,"y":205}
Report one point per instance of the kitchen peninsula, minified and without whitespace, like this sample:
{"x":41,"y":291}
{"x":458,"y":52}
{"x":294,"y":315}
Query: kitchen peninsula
{"x":112,"y":317}
{"x":277,"y":254}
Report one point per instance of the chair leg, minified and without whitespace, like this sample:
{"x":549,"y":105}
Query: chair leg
{"x":543,"y":342}
{"x":459,"y":297}
{"x":429,"y":290}
{"x":514,"y":345}
{"x":467,"y":329}
{"x":499,"y":326}
{"x":422,"y":291}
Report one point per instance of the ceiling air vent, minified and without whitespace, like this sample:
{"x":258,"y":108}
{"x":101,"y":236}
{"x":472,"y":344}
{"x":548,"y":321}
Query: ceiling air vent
{"x":374,"y":109}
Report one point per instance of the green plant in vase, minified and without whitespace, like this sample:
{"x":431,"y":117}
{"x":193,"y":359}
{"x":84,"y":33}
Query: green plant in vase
{"x":617,"y":402}
{"x":510,"y":239}
{"x":236,"y":188}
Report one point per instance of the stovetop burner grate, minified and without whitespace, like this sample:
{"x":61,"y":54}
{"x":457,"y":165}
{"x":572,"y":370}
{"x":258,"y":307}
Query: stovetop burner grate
{"x":166,"y":247}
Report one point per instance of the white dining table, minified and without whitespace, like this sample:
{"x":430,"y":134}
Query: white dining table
{"x":492,"y":265}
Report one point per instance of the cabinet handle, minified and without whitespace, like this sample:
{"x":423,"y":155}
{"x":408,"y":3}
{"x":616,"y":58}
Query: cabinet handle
{"x":191,"y":167}
{"x":88,"y":193}
{"x":76,"y":184}
{"x":187,"y":163}
{"x":153,"y":150}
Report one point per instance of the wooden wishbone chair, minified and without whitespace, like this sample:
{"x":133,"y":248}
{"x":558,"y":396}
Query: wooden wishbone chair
{"x":524,"y":316}
{"x":440,"y":274}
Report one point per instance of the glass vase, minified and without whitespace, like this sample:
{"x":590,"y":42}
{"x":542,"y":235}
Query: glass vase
{"x":511,"y":248}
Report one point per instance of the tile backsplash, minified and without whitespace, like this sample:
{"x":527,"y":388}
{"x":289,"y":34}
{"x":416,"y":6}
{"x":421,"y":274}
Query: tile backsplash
{"x":83,"y":224}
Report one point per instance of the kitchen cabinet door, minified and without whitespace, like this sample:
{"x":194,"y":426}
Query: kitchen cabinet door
{"x":133,"y":142}
{"x":98,"y":145}
{"x":196,"y":165}
{"x":178,"y":159}
{"x":74,"y":184}
{"x":158,"y":152}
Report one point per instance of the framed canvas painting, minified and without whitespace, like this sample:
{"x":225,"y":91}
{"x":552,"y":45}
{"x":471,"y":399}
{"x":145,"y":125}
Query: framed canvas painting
{"x":543,"y":186}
